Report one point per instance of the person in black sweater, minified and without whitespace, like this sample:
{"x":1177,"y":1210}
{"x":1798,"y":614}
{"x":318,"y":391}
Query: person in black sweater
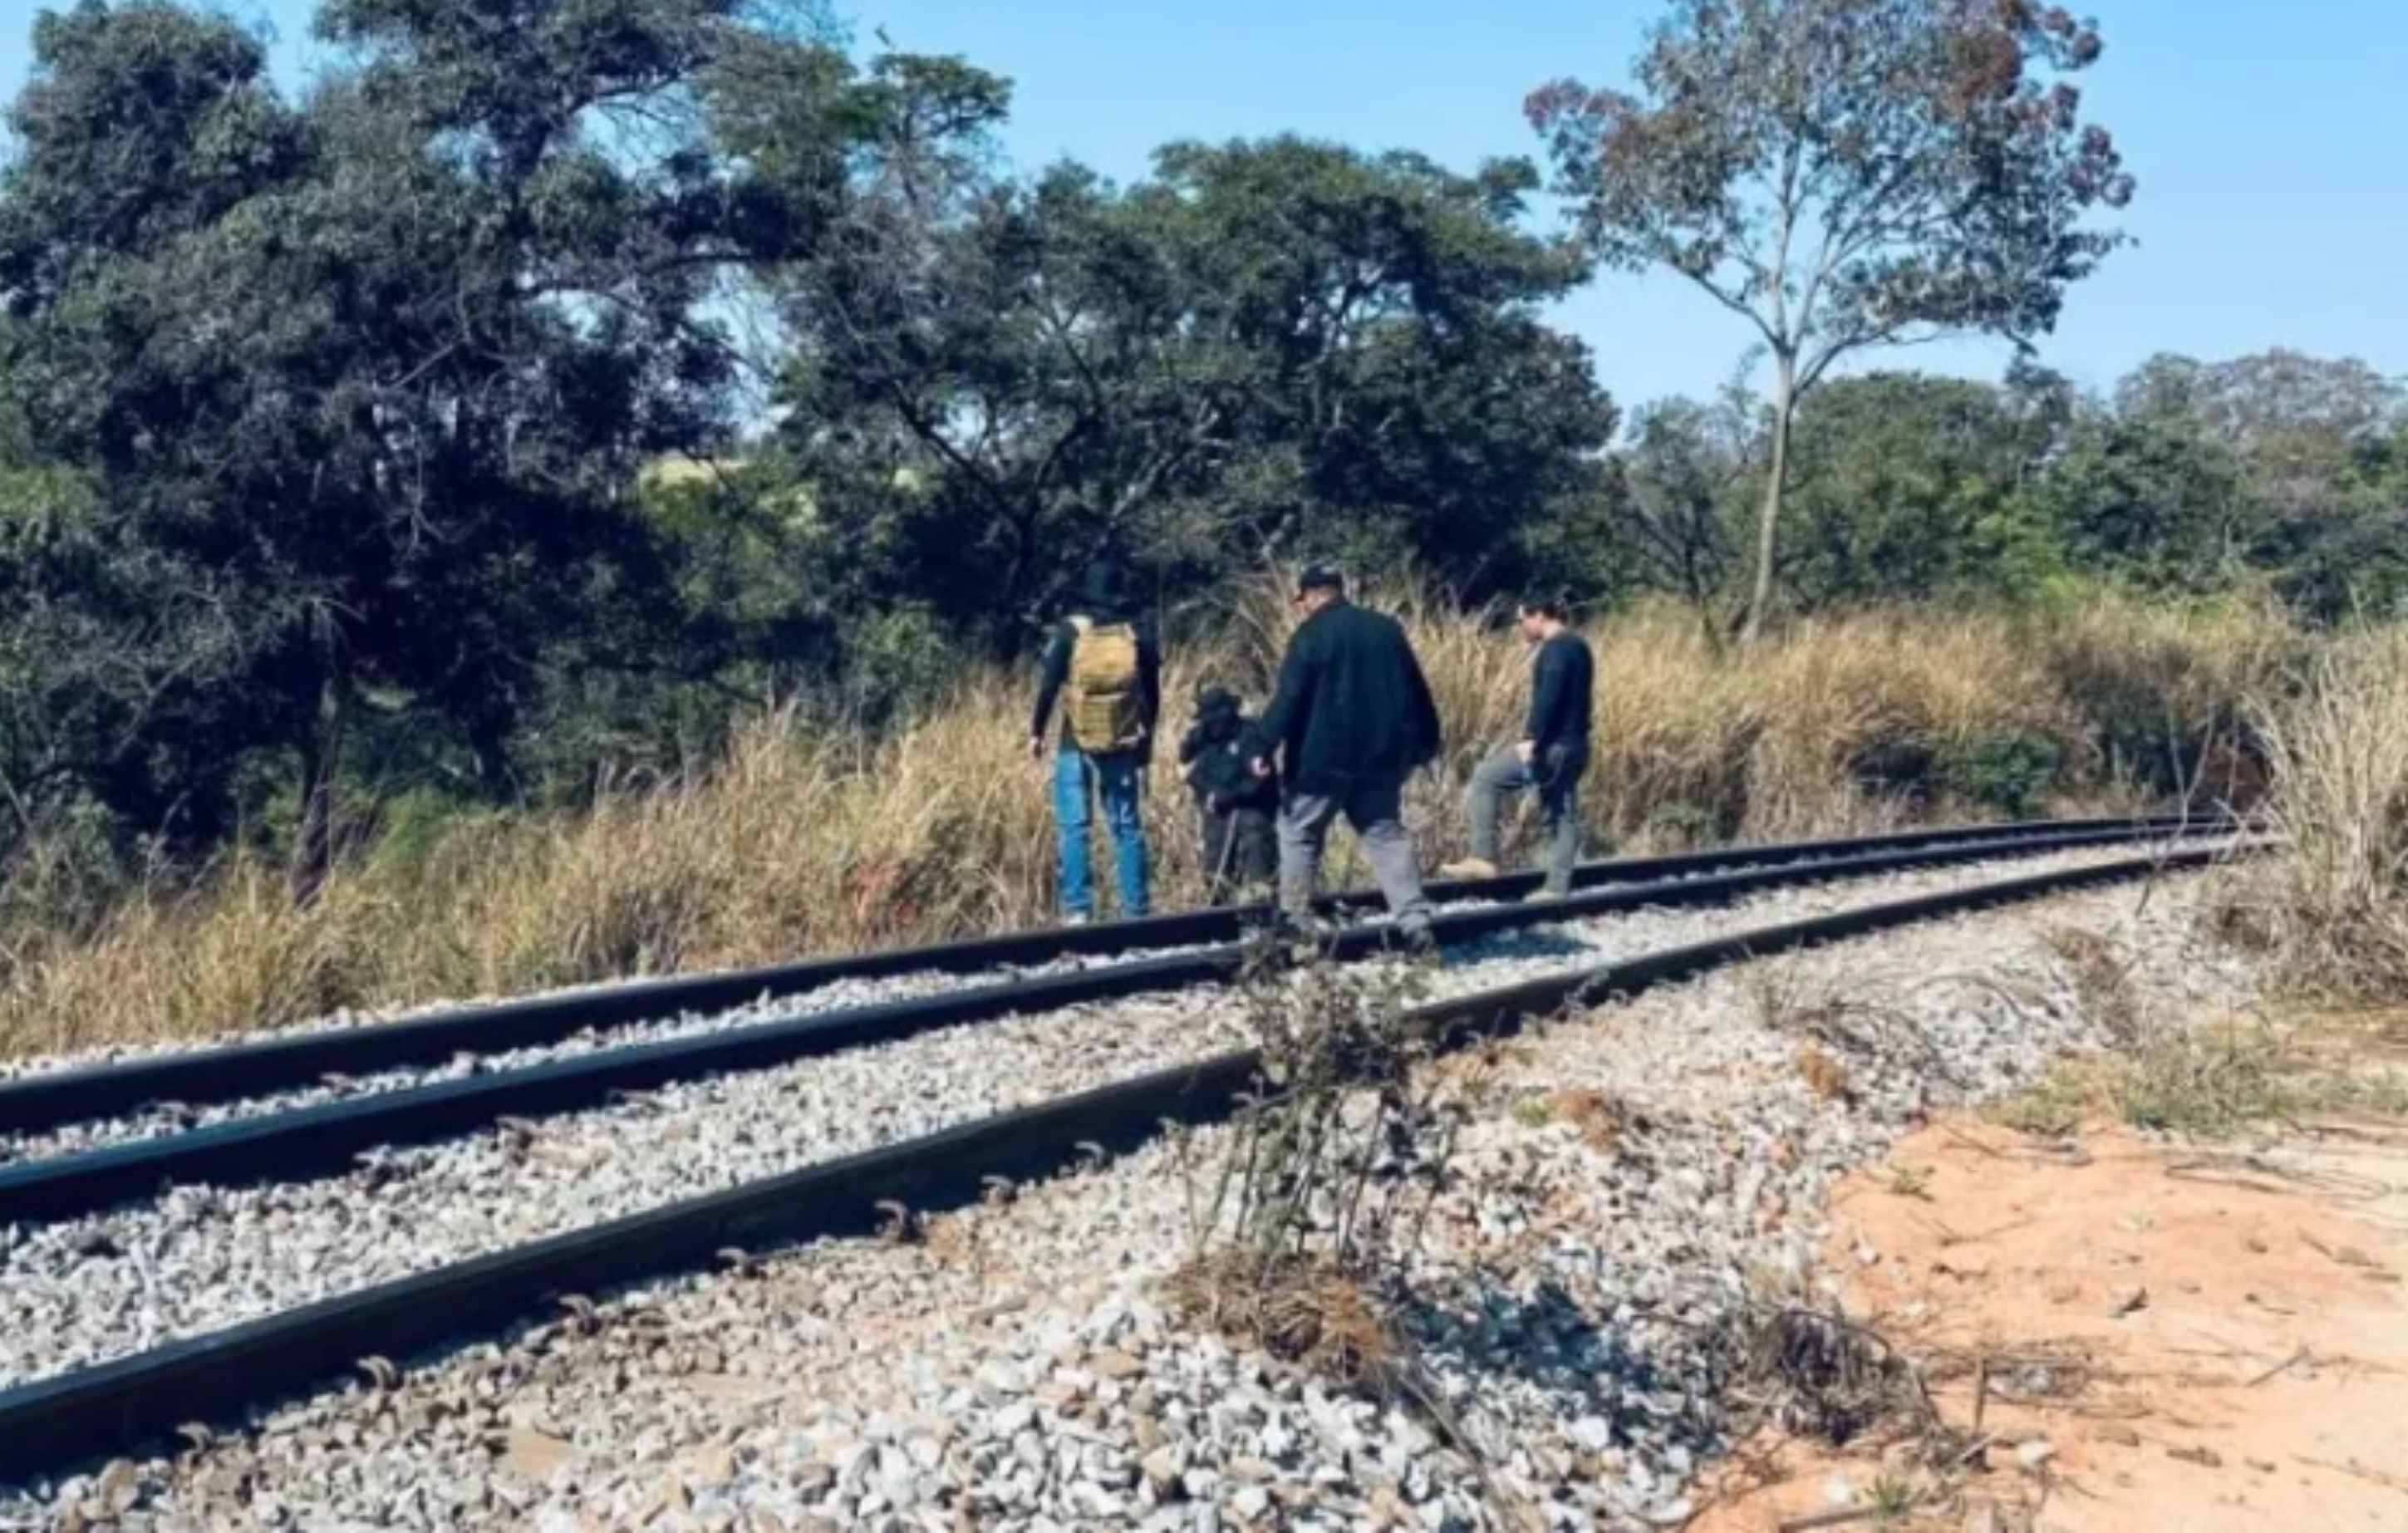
{"x":1352,"y":719}
{"x":1552,"y":755}
{"x":1233,"y":807}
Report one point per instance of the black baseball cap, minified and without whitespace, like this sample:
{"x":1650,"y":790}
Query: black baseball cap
{"x":1319,"y":577}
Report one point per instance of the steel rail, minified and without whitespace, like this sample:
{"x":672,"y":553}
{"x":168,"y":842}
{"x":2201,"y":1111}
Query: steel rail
{"x":323,"y":1139}
{"x":118,"y":1406}
{"x":232,"y":1072}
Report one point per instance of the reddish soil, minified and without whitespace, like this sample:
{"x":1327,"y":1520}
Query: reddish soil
{"x":2230,"y":1328}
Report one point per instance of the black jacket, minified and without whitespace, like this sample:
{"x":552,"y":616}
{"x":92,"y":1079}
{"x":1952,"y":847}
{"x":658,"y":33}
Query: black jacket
{"x":1563,"y":694}
{"x":1353,"y":706}
{"x":1057,"y":675}
{"x":1215,"y":754}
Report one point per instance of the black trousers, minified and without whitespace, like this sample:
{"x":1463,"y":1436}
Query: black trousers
{"x":1240,"y":852}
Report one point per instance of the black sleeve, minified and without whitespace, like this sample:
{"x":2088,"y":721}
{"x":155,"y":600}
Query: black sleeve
{"x":1548,"y":679}
{"x":1149,"y":688}
{"x":1148,"y":668}
{"x":1056,"y":671}
{"x":1297,"y":673}
{"x":1191,"y":744}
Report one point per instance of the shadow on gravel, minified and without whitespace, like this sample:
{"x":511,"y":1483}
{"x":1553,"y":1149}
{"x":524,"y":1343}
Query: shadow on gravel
{"x":1546,"y":1339}
{"x":1522,"y":944}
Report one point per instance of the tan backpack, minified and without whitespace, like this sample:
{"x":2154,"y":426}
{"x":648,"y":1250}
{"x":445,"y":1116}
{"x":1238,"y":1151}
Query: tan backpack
{"x":1106,"y":708}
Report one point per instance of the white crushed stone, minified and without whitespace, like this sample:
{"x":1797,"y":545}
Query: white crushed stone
{"x":1017,"y":1372}
{"x":200,"y":1257}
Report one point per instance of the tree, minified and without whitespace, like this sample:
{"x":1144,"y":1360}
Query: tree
{"x":1845,"y":174}
{"x":1263,"y":349}
{"x":373,"y":376}
{"x":1904,"y":484}
{"x":1677,"y":483}
{"x":2301,"y":484}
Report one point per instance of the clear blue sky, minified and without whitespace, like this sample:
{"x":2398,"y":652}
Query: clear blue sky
{"x":2267,"y":141}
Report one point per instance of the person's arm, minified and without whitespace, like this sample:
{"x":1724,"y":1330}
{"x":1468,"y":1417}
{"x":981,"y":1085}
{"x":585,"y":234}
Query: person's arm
{"x":1149,"y":682}
{"x":1054,"y":673}
{"x":1549,"y":675}
{"x":1297,"y":673}
{"x":1149,"y":671}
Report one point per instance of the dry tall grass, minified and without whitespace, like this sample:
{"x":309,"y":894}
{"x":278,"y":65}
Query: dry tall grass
{"x":2333,"y":909}
{"x":806,"y":839}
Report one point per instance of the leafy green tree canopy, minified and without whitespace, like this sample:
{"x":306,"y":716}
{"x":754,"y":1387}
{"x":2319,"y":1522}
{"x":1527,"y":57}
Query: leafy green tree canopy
{"x":1264,"y":348}
{"x":1844,"y":175}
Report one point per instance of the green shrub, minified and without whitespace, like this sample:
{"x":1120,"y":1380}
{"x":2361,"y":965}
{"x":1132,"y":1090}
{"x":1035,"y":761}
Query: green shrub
{"x":2009,"y":772}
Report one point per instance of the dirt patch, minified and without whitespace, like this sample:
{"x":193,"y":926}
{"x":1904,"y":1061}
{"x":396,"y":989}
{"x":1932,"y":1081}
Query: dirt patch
{"x":2215,"y":1341}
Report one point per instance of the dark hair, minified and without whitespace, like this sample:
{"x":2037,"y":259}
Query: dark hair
{"x":1320,"y":577}
{"x":1549,"y":604}
{"x":1219,"y":715}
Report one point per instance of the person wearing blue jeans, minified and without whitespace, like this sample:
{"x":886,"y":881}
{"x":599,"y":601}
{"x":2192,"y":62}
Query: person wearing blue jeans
{"x":1104,"y":664}
{"x":1118,"y":780}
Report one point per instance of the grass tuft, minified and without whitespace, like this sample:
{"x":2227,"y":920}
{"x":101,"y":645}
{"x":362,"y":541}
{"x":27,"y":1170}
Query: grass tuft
{"x":2331,"y":910}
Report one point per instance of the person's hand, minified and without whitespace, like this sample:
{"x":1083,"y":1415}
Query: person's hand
{"x":1037,"y":748}
{"x":1527,"y":751}
{"x":1260,"y":767}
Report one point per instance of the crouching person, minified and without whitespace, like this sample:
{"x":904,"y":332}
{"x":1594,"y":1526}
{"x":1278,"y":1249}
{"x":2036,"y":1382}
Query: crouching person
{"x":1233,"y":807}
{"x":1551,"y":757}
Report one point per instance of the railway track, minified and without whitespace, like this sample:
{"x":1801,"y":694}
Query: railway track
{"x":307,"y":1058}
{"x":282,"y":1134}
{"x":119,"y":1402}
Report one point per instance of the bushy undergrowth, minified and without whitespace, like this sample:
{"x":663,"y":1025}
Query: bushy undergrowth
{"x":806,"y":836}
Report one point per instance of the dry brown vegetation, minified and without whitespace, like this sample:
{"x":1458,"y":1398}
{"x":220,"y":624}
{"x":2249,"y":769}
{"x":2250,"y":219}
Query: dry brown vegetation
{"x":2333,"y":910}
{"x":807,"y":838}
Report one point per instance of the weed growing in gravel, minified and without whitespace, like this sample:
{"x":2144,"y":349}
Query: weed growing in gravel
{"x":1341,"y":1154}
{"x":1831,"y":1026}
{"x":1785,"y":997}
{"x":2102,"y":980}
{"x":1815,"y":1372}
{"x":1823,"y":1075}
{"x":1301,"y":1235}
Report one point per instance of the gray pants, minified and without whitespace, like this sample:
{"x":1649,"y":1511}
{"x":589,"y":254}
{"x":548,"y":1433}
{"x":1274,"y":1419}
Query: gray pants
{"x":1375,"y":810}
{"x":1556,"y":775}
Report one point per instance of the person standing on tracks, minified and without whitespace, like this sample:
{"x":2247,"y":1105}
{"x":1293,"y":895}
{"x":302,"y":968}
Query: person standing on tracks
{"x":1552,"y":755}
{"x":1104,"y":664}
{"x":1234,"y":807}
{"x":1351,"y":721}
